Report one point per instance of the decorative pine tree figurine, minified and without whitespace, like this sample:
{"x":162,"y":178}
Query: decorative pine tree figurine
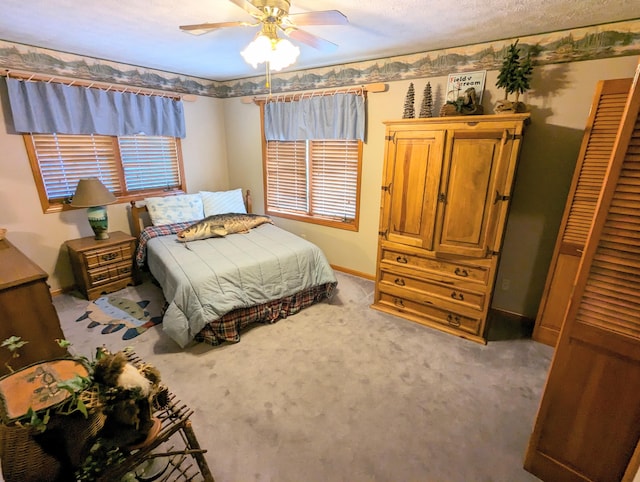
{"x":426,"y":108}
{"x":409,"y":110}
{"x":514,"y":77}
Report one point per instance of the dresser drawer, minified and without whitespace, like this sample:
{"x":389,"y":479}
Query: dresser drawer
{"x":433,"y":313}
{"x":108,"y":256}
{"x":107,"y":274}
{"x":457,"y":269}
{"x":446,"y":290}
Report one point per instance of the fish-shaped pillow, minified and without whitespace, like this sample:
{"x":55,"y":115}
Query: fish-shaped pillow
{"x":219,"y":225}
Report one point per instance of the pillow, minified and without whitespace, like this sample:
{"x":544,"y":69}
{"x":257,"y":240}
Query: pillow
{"x":223,"y":202}
{"x":175,"y":209}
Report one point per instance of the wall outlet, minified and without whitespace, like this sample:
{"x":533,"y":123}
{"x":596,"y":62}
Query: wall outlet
{"x":506,"y":284}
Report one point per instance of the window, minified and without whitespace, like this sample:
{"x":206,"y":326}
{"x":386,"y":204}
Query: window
{"x":317,"y":181}
{"x":129,"y":166}
{"x":314,"y":181}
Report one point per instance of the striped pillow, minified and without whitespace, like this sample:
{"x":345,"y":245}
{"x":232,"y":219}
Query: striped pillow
{"x":222,"y":202}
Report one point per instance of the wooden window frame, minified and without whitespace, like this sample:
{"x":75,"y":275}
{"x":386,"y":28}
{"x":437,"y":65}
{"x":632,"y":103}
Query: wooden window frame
{"x":122,"y":195}
{"x":349,"y":225}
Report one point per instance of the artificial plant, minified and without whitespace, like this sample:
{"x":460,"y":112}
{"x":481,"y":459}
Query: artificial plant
{"x":514,"y":77}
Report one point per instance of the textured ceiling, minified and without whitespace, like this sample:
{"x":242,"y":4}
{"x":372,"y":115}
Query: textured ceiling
{"x":145,"y":32}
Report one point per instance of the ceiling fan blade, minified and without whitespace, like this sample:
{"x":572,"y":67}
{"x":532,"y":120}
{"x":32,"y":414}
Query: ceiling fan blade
{"x":248,"y":7}
{"x":324,"y":17}
{"x":200,"y":28}
{"x":310,"y":39}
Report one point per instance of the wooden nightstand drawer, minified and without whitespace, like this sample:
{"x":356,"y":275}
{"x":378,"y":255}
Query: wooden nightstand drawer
{"x":107,"y":256}
{"x":107,"y":274}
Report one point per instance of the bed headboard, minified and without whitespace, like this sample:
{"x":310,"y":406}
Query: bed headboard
{"x":140,"y":216}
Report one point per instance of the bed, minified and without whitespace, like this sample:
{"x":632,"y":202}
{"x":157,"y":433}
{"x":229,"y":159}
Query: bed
{"x":216,"y":287}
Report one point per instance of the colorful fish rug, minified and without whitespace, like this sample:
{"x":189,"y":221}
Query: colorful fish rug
{"x":116,"y":312}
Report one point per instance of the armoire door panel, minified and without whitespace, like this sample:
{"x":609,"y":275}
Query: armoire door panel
{"x":470,"y":192}
{"x":413,"y":192}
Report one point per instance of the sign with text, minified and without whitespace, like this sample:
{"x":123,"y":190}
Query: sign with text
{"x":458,"y":83}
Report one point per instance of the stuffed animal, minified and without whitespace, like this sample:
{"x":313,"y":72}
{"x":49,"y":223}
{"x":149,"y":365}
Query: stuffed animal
{"x":128,"y":394}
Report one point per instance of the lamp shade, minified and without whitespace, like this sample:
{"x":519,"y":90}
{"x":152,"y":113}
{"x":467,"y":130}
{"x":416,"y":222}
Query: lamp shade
{"x":91,"y":192}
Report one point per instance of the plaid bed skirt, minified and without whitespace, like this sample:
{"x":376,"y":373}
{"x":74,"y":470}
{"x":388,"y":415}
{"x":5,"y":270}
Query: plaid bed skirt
{"x":228,"y":327}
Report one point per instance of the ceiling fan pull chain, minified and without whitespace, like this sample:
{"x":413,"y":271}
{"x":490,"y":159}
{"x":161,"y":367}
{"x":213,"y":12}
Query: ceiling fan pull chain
{"x":268,"y":76}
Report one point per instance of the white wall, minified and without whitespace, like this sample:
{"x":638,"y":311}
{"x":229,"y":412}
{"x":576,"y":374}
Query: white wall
{"x":41,"y":236}
{"x":560,"y":99}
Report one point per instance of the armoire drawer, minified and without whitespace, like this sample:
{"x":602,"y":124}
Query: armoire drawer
{"x":454,"y":268}
{"x":433,"y":313}
{"x":447,"y":290}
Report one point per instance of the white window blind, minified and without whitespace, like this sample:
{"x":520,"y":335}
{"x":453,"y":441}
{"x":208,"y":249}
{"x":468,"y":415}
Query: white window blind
{"x":65,"y":159}
{"x":316,"y":179}
{"x":287,"y":176}
{"x":334,"y":176}
{"x":127,"y":165}
{"x":149,"y":162}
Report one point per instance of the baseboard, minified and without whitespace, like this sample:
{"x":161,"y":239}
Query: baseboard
{"x":370,"y":277}
{"x":504,"y":325}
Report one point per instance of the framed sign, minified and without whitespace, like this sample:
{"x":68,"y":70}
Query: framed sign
{"x":459,"y":82}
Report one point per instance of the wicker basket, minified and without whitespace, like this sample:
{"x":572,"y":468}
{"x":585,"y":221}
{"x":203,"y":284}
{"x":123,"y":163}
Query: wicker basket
{"x":27,"y":455}
{"x":23,"y":459}
{"x":30,"y":455}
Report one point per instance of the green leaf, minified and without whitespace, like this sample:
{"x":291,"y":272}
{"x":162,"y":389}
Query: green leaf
{"x":63,"y":343}
{"x":82,"y":407}
{"x":13,"y":343}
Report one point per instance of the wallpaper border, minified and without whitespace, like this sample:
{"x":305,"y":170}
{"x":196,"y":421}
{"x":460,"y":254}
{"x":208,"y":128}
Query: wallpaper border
{"x":587,"y":43}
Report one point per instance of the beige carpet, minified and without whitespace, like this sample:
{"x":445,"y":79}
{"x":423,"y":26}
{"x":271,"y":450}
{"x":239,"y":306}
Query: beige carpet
{"x":341,"y":392}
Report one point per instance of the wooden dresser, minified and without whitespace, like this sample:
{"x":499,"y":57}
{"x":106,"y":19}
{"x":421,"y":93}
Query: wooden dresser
{"x":445,"y":198}
{"x":103,"y":265}
{"x":26,"y":310}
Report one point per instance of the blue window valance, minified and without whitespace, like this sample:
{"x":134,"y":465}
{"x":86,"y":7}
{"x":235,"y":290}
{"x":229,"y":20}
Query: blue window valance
{"x":332,"y":116}
{"x":55,"y":108}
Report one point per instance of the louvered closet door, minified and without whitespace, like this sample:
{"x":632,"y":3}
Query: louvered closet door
{"x":593,"y":159}
{"x":588,"y":424}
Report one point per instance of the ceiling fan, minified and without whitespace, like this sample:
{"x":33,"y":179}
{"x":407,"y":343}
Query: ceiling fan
{"x":273,"y":15}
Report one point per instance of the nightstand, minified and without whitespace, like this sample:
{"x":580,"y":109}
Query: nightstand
{"x":102,"y":265}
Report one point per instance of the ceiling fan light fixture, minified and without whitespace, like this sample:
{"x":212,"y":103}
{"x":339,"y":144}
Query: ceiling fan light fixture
{"x":278,"y":52}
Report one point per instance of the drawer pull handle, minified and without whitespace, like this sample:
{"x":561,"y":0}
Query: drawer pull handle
{"x":109,"y":256}
{"x":398,"y":302}
{"x":399,"y":281}
{"x":126,"y":269}
{"x":402,"y":259}
{"x":457,"y":296}
{"x":454,"y":320}
{"x":461,"y":272}
{"x":100,"y":277}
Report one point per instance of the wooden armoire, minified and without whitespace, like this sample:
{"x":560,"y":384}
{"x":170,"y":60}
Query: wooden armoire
{"x":593,"y":160}
{"x":588,"y":423}
{"x":446,"y":190}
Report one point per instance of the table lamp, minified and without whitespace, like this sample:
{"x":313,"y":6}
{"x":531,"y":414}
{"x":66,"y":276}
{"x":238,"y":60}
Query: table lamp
{"x":92,"y":194}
